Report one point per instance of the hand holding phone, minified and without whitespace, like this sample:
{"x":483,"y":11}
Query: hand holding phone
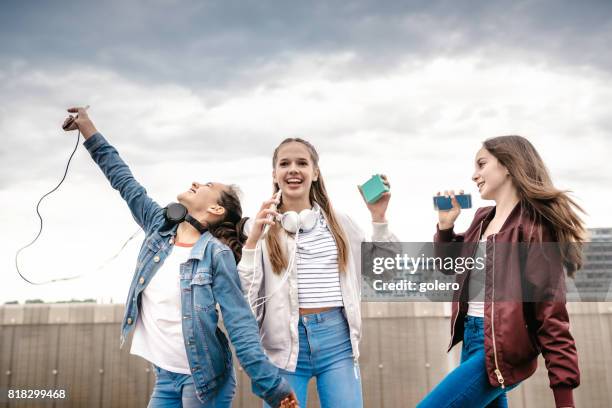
{"x":444,"y":203}
{"x":270,"y":216}
{"x":263,"y":220}
{"x":69,"y":122}
{"x":81,"y":121}
{"x":447,"y":215}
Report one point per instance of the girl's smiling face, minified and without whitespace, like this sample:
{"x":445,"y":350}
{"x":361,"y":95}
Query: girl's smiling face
{"x":294,"y":170}
{"x":489,"y":175}
{"x":202,"y":200}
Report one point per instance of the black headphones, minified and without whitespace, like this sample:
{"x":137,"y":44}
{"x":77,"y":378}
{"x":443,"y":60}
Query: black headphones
{"x":175,"y":213}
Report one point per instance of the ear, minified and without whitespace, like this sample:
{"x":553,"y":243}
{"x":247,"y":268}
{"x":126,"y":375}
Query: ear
{"x":504,"y":169}
{"x":216,"y":209}
{"x":315,"y":177}
{"x":274,"y":176}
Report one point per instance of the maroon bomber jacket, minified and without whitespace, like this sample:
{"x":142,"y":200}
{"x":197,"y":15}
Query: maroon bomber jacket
{"x":516,"y":331}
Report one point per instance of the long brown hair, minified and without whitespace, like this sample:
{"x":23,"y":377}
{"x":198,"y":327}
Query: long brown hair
{"x":318,"y":194}
{"x":229,"y":230}
{"x":540,"y":197}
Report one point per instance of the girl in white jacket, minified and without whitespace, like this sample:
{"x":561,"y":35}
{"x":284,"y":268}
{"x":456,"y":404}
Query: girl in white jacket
{"x":306,"y":296}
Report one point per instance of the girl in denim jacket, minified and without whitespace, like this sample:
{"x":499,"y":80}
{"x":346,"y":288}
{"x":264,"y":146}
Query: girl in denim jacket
{"x":183,"y":271}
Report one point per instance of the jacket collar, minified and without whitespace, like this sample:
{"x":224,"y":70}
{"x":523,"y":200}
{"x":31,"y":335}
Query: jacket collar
{"x":199,"y":248}
{"x":514,"y":219}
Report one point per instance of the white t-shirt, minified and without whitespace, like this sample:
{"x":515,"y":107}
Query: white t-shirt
{"x":476,"y":285}
{"x":158,"y":335}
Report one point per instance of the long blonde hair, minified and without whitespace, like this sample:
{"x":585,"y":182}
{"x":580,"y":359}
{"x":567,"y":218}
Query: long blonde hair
{"x":541,"y":198}
{"x":318,"y":194}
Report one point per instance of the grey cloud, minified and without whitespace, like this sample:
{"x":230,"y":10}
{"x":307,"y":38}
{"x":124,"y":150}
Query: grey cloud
{"x":213,"y":48}
{"x":223,"y":43}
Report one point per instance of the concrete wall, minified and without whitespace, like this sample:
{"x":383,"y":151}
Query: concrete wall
{"x":76,"y":347}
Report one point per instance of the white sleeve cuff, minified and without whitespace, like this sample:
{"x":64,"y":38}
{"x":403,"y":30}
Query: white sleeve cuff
{"x":247,"y":262}
{"x":380,"y":231}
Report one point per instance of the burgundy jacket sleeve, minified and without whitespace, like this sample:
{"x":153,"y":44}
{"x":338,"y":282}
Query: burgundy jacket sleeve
{"x":446,"y":245}
{"x":447,"y":235}
{"x":559,"y":351}
{"x":544,"y":272}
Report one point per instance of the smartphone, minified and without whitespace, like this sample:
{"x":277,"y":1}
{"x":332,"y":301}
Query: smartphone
{"x":443,"y":203}
{"x":69,"y":123}
{"x":373,"y":189}
{"x":273,"y":206}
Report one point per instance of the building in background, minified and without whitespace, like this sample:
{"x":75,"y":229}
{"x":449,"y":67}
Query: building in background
{"x":594,"y":281}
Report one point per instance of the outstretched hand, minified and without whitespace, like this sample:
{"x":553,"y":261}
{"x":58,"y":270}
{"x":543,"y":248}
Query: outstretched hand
{"x":378,"y":209}
{"x":81,"y":121}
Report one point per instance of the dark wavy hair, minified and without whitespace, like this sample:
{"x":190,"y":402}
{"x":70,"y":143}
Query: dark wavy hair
{"x":229,"y":230}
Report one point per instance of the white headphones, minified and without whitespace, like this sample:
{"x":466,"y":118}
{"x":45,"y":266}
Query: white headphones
{"x":304,"y":221}
{"x":293,"y":223}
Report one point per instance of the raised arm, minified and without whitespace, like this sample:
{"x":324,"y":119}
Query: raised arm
{"x":378,"y":212}
{"x":145,"y":211}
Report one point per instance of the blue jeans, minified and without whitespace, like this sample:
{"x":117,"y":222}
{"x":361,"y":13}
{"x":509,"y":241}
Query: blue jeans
{"x":468,"y":385}
{"x":326,"y":353}
{"x":177,"y":390}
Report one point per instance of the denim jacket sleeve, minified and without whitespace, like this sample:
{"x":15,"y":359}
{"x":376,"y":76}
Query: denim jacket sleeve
{"x":244,"y":333}
{"x":144,"y":210}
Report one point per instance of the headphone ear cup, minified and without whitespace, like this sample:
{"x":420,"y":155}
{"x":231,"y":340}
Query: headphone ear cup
{"x":175,"y":213}
{"x":290,"y":221}
{"x":308,"y":219}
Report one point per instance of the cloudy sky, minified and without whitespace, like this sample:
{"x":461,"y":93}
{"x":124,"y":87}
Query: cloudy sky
{"x":202,"y":90}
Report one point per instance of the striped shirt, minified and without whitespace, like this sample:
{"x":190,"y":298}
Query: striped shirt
{"x":317,"y":267}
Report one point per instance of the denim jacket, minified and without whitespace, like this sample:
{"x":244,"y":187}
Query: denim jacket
{"x":209,"y":277}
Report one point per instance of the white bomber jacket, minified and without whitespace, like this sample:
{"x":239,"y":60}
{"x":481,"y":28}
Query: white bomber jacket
{"x":278,"y":316}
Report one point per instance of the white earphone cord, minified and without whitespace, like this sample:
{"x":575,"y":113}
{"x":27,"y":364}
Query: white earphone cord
{"x":261,"y":300}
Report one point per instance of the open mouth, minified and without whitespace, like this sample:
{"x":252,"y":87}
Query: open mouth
{"x":479,"y":185}
{"x":294,"y":181}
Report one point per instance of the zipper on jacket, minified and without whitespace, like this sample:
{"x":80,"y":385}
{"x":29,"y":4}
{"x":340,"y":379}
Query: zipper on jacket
{"x":498,"y":373}
{"x":453,"y":327}
{"x":457,"y":314}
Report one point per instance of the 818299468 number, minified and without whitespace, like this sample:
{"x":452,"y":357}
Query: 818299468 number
{"x":36,"y":394}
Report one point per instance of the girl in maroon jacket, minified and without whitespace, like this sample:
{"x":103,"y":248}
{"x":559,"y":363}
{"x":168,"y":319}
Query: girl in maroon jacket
{"x":513,"y":309}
